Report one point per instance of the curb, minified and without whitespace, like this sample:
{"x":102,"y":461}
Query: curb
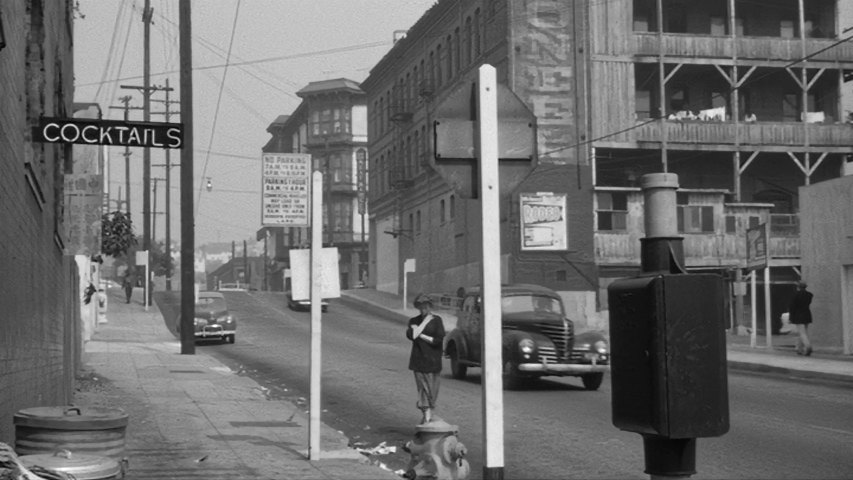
{"x":808,"y":375}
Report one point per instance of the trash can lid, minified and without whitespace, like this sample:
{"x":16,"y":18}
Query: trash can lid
{"x":82,"y":467}
{"x":72,"y":418}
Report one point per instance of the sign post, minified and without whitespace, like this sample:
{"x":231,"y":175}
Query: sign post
{"x":758,"y":256}
{"x":142,"y":259}
{"x":493,"y":431}
{"x":316,"y":297}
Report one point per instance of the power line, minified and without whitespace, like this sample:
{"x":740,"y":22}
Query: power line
{"x":218,"y":103}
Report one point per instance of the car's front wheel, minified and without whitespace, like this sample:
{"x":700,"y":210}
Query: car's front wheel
{"x":457,"y":369}
{"x":232,"y":338}
{"x":592,"y":381}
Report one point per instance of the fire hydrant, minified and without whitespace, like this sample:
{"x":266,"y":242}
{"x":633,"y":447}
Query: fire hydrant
{"x":436,"y":453}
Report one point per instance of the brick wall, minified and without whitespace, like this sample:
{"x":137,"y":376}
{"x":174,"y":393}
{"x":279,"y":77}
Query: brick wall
{"x":38,"y":320}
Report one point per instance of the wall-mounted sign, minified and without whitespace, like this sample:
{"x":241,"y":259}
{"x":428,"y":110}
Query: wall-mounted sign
{"x":286,"y":190}
{"x":543,"y":222}
{"x":756,"y":247}
{"x":109,"y":132}
{"x":84,"y":198}
{"x":361,"y":177}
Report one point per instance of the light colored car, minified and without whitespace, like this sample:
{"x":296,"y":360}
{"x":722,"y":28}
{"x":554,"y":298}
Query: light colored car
{"x":538,"y":339}
{"x":212,"y":319}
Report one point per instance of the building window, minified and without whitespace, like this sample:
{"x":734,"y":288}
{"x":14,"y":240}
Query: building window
{"x":449,"y":57}
{"x":418,"y":224}
{"x":442,"y":215}
{"x":694,"y":218}
{"x":340,"y":168}
{"x":457,"y":45}
{"x":438,"y":73}
{"x":452,"y":207}
{"x":342,"y":216}
{"x":643,"y":104}
{"x":330,"y":121}
{"x":612,"y":211}
{"x":477,"y":34}
{"x":468,"y":40}
{"x":431,"y":68}
{"x":412,"y":222}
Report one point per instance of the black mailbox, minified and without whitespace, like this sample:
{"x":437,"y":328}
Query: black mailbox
{"x":668,"y":355}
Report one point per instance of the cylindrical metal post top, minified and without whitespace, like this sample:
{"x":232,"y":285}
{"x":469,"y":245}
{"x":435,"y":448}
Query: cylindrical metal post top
{"x":660,"y":204}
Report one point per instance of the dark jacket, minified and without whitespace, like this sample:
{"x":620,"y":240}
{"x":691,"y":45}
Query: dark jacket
{"x":799,"y":309}
{"x":426,"y":355}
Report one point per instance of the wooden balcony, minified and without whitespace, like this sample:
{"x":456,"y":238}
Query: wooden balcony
{"x":725,"y":247}
{"x":761,"y":49}
{"x":698,"y":135}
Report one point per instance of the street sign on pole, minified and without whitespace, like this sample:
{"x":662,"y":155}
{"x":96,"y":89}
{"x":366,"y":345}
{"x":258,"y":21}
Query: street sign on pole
{"x":286,"y":179}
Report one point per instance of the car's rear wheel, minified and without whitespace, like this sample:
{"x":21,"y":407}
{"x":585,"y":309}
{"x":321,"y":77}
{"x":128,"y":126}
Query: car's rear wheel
{"x":592,"y":381}
{"x":457,"y":369}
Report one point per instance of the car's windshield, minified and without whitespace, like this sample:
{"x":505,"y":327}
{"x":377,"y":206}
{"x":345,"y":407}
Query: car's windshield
{"x":211,"y":303}
{"x":530,"y":303}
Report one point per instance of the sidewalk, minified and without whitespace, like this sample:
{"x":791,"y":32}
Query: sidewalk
{"x":190,"y":417}
{"x":822,"y":365}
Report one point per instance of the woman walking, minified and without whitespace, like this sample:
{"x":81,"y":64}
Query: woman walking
{"x":426,"y":331}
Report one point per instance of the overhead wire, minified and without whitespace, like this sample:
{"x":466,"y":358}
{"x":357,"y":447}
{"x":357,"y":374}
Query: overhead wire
{"x":218,"y":103}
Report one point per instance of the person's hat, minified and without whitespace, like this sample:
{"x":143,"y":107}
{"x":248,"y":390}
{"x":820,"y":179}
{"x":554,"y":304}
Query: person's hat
{"x":422,"y":299}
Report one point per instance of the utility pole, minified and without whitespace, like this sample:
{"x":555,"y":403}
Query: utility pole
{"x":187,"y":223}
{"x":167,"y":112}
{"x":127,"y":153}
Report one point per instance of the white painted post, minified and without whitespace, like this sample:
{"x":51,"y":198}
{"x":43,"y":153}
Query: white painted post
{"x":753,"y":335}
{"x":493,"y":431}
{"x":316,"y":263}
{"x":767,"y":325}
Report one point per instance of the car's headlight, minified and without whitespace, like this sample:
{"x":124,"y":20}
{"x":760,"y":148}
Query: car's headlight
{"x":225,"y":319}
{"x":199,"y":321}
{"x":601,"y":347}
{"x":526,"y":346}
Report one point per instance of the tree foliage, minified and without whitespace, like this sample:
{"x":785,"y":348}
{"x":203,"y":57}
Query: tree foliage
{"x":117,"y":234}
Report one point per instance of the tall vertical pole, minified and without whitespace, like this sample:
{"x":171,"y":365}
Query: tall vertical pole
{"x":168,"y":201}
{"x":316,"y":265}
{"x":662,"y":91}
{"x":154,"y":212}
{"x":187,"y":222}
{"x":493,"y":431}
{"x":246,"y":272}
{"x":126,"y":101}
{"x":146,"y":152}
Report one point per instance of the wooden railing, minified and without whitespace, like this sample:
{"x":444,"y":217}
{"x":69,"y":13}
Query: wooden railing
{"x":760,"y":133}
{"x":703,"y":250}
{"x":748,"y":48}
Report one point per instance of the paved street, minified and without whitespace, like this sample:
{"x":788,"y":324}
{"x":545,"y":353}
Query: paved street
{"x":554,"y":429}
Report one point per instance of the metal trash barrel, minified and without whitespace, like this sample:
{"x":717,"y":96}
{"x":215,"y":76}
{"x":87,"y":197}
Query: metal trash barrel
{"x":82,"y":430}
{"x":78,"y":467}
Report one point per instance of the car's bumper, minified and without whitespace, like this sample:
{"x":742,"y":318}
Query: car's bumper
{"x":545,"y":368}
{"x":214,"y":333}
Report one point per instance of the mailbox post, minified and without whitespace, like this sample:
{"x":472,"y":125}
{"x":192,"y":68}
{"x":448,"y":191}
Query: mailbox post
{"x":667,"y":335}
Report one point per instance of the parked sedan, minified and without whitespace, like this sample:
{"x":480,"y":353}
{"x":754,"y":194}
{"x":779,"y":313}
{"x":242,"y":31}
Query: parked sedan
{"x":212,"y":319}
{"x":538,"y":339}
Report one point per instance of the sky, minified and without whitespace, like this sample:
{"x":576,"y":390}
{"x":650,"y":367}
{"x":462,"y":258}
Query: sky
{"x":276,"y":48}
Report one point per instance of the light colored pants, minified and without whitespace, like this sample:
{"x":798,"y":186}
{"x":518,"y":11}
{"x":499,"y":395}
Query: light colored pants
{"x":803,"y":341}
{"x":427,"y":384}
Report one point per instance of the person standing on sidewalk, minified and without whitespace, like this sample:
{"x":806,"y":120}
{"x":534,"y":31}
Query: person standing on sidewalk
{"x":801,"y":316}
{"x":127,"y":283}
{"x":426,"y":331}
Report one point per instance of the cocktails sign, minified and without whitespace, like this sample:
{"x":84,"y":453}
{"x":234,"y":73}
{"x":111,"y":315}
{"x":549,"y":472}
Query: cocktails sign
{"x":109,"y":132}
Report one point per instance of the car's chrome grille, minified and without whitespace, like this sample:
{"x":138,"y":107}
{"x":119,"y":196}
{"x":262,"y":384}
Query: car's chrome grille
{"x":561,"y":335}
{"x":547,"y":354}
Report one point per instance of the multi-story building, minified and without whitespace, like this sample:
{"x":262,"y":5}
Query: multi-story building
{"x":39,"y":299}
{"x":331,"y":124}
{"x":743,"y":101}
